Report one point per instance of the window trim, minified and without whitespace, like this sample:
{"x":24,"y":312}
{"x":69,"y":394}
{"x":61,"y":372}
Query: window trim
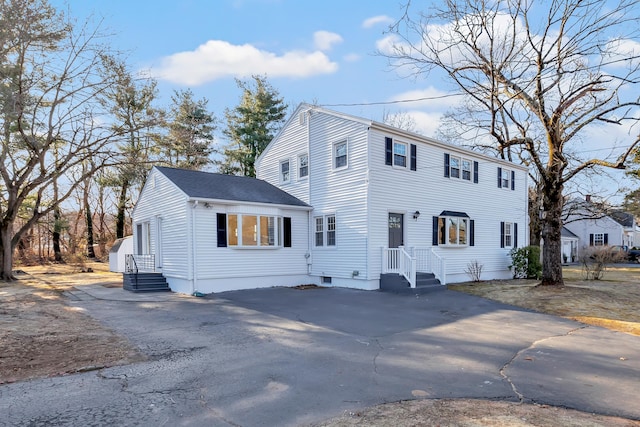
{"x":282,"y":163}
{"x":300,"y":166}
{"x":334,"y":156}
{"x":508,"y":183}
{"x":441,"y":229}
{"x":394,"y":154}
{"x":325,"y":230}
{"x":237,"y":232}
{"x":508,"y":240}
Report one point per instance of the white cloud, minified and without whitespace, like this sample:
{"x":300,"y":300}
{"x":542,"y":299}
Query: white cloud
{"x":324,"y":40}
{"x":425,"y":123}
{"x":217,"y":59}
{"x":622,"y":53}
{"x":375,"y":20}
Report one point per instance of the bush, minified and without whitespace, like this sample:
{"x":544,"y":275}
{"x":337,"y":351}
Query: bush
{"x":525,"y":262}
{"x":474,"y":270}
{"x":595,"y":259}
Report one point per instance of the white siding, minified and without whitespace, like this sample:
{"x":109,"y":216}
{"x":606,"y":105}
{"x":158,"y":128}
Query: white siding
{"x":342,"y":192}
{"x":253,"y":267}
{"x":584,"y":227}
{"x":428,"y":191}
{"x":288,"y":145}
{"x":162,"y":199}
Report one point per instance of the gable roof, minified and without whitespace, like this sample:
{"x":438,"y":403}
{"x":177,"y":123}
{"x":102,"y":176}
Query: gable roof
{"x":381,"y":127}
{"x":625,"y":219}
{"x":215,"y":186}
{"x":565,"y":232}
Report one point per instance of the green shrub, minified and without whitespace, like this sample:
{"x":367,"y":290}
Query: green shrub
{"x":525,"y":262}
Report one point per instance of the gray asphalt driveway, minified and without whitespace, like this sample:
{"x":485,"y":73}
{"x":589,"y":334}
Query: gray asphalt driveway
{"x":292,"y":357}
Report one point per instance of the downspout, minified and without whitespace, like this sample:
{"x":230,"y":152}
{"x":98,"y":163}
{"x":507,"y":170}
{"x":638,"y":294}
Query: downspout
{"x":194,"y":262}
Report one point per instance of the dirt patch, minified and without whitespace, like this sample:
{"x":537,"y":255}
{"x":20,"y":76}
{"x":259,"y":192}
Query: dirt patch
{"x":42,"y":335}
{"x":472,"y":413}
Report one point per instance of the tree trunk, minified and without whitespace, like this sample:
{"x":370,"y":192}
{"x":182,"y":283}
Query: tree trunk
{"x":57,"y":227}
{"x":122,"y":206}
{"x":6,"y":256}
{"x":551,"y":235}
{"x":89,"y":219}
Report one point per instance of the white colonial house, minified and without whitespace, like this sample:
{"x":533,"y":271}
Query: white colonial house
{"x":593,"y":227}
{"x":349,"y":202}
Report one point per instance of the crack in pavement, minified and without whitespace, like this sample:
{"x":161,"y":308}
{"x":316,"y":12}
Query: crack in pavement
{"x":124,"y":381}
{"x":506,"y":377}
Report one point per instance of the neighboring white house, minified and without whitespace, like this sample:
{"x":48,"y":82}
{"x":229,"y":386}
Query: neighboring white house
{"x":361,"y":199}
{"x":596,"y":229}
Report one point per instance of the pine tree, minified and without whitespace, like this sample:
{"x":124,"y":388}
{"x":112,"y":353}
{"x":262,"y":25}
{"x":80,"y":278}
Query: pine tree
{"x":189,"y":143}
{"x":251,"y":126}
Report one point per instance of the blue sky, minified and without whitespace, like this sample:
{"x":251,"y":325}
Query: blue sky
{"x":310,"y":51}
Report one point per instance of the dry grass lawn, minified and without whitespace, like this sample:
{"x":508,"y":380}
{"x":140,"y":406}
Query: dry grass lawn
{"x":613,"y":302}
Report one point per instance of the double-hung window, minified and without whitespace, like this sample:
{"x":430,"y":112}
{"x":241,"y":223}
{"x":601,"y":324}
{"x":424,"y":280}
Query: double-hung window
{"x":303,"y":166}
{"x":399,"y":154}
{"x":466,"y":169}
{"x":455,"y":167}
{"x":325,"y":230}
{"x":506,"y":178}
{"x":508,"y":235}
{"x":340,"y":155}
{"x":285,"y":175}
{"x":461,"y":168}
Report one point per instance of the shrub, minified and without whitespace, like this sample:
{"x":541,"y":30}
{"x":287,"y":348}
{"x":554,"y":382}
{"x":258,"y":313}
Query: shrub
{"x":525,"y":262}
{"x":474,"y":270}
{"x":595,"y":259}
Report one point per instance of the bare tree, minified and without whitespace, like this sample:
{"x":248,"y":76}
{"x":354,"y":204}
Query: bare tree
{"x":52,"y":76}
{"x":537,"y":76}
{"x":401,"y":120}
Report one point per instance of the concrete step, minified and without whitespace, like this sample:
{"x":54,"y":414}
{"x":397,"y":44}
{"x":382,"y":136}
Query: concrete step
{"x":145,"y":282}
{"x":395,"y":283}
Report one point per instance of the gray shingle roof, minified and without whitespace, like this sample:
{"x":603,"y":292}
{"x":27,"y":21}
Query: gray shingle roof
{"x":565,"y":232}
{"x":625,"y":219}
{"x":206,"y":185}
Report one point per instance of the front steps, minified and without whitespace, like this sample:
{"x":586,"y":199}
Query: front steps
{"x":145,"y":282}
{"x":396,"y":283}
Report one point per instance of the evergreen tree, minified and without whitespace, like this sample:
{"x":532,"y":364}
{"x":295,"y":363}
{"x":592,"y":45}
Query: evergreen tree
{"x":189,"y":143}
{"x":131,"y":105}
{"x":251,"y":126}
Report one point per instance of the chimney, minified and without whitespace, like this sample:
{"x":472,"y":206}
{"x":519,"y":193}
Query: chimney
{"x":588,"y":197}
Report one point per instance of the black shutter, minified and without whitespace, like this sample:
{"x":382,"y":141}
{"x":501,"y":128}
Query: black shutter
{"x":513,"y":180}
{"x":414,"y":160}
{"x":388,"y":151}
{"x":446,"y":165}
{"x":606,"y":238}
{"x":475,"y":172}
{"x":591,"y":239}
{"x":286,"y":232}
{"x":472,"y":232}
{"x":499,"y":177}
{"x":515,"y":235}
{"x":501,"y":233}
{"x":434,"y":239}
{"x":222,"y":229}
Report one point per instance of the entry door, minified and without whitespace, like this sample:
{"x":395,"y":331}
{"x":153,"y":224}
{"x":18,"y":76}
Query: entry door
{"x":396,"y":230}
